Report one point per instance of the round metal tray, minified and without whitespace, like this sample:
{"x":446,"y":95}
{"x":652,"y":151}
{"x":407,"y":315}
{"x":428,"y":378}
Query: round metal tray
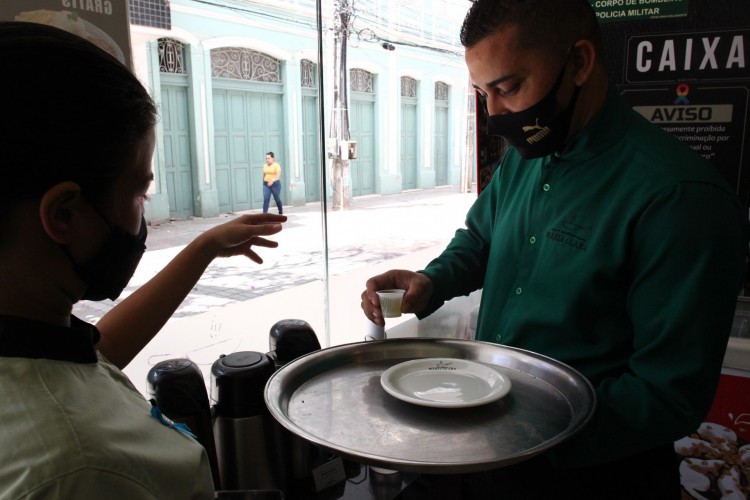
{"x":333,"y":399}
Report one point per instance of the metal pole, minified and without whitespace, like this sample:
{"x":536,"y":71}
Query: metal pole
{"x":339,"y":118}
{"x":323,"y":196}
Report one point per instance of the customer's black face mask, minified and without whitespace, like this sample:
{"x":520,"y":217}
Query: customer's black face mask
{"x":540,"y":129}
{"x":108,"y":272}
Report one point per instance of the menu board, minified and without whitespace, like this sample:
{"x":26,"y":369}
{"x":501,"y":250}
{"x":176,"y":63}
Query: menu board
{"x":102,"y":22}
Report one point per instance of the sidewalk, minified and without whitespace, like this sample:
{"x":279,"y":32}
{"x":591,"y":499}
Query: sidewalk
{"x":375,"y":229}
{"x":236,"y":302}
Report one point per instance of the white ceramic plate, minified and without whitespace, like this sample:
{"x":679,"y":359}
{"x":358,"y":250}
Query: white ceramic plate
{"x":445,"y":382}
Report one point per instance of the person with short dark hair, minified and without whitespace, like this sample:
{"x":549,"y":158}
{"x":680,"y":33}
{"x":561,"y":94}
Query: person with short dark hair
{"x":76,"y":144}
{"x":601,"y":241}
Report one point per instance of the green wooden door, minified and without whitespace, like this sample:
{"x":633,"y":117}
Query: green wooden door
{"x":177,"y":151}
{"x":440,"y":159}
{"x":232,"y":151}
{"x":362,"y":130}
{"x":310,"y":148}
{"x":408,"y":143}
{"x":246,"y":126}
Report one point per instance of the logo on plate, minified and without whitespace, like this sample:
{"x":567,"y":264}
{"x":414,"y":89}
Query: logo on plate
{"x":443,"y":365}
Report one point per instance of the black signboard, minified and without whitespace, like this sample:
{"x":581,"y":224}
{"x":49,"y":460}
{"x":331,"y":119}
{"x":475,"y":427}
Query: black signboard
{"x":711,"y":118}
{"x":690,"y":76}
{"x":705,"y":56}
{"x":628,"y":10}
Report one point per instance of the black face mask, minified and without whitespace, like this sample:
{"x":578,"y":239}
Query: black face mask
{"x":538,"y":130}
{"x":108,"y":272}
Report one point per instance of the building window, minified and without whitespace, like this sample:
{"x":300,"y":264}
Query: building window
{"x":410,"y":19}
{"x":152,"y":13}
{"x":408,"y":87}
{"x":171,"y":56}
{"x":244,"y":64}
{"x":308,"y":76}
{"x":361,"y":81}
{"x":441,"y":91}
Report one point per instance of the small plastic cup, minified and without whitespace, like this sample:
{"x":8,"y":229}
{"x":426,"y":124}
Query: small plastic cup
{"x":390,"y":302}
{"x":375,"y":332}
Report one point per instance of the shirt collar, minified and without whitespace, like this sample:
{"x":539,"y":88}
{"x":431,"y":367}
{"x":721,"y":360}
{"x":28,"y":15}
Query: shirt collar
{"x":606,"y":128}
{"x":27,"y":338}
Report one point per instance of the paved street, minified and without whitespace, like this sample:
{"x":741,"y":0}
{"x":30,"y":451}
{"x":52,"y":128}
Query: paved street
{"x":374,"y":230}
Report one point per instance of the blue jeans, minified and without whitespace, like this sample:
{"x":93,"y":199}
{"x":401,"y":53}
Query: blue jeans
{"x":275,"y":190}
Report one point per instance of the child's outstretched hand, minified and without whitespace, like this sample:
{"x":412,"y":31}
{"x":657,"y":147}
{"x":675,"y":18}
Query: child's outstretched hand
{"x":238,"y":236}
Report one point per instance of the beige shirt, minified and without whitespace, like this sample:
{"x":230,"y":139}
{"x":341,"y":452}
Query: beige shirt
{"x":82,"y":431}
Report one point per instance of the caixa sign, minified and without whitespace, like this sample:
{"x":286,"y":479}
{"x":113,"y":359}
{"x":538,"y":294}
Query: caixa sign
{"x":714,"y":55}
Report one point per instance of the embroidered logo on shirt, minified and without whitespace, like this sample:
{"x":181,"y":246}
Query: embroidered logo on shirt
{"x":569,"y":233}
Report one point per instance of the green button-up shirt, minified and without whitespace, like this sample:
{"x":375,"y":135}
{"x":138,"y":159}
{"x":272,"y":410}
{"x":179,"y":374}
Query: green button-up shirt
{"x":621,"y":256}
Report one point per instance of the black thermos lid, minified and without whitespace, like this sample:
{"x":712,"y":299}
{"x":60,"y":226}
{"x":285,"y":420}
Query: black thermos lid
{"x":292,"y":338}
{"x":237,"y":384}
{"x":178,"y":387}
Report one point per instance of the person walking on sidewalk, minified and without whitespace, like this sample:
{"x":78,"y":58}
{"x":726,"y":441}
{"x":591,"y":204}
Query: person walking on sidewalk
{"x":271,"y":183}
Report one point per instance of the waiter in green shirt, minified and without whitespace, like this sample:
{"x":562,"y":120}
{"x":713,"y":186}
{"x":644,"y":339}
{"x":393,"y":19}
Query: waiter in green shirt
{"x":601,"y":241}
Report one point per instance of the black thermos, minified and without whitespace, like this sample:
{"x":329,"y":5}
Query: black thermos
{"x":289,"y":339}
{"x":179,"y":390}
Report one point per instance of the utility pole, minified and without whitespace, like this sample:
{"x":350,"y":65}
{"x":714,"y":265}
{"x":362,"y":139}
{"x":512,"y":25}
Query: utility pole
{"x":339,"y":136}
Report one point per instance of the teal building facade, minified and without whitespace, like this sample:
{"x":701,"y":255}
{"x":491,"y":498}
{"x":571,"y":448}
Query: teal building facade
{"x":237,"y":79}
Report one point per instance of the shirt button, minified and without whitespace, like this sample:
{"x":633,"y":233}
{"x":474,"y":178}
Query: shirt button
{"x":532,"y":240}
{"x":519,"y":291}
{"x":497,"y":339}
{"x":546,"y":187}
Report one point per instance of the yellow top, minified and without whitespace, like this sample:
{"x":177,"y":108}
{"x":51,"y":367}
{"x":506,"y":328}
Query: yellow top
{"x":271,"y":172}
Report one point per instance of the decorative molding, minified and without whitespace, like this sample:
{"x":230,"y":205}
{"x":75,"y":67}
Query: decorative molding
{"x":171,"y":56}
{"x":245,"y":64}
{"x":361,"y":80}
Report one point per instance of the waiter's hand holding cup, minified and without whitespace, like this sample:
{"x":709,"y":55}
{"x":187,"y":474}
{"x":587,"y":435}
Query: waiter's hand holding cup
{"x":394,"y":292}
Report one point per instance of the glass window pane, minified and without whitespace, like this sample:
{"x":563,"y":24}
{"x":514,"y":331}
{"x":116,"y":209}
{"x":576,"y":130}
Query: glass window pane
{"x":374,"y":141}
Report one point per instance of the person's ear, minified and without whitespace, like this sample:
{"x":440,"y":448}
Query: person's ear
{"x":60,"y":210}
{"x":584,"y":61}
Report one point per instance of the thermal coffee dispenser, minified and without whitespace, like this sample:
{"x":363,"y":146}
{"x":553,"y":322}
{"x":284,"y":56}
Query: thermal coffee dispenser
{"x":289,"y":339}
{"x":248,"y":450}
{"x":242,"y":425}
{"x":178,"y":389}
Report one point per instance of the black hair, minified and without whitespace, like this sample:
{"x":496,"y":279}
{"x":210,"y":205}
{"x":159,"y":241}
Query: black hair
{"x":546,"y":24}
{"x":70,"y":112}
{"x":270,"y":153}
